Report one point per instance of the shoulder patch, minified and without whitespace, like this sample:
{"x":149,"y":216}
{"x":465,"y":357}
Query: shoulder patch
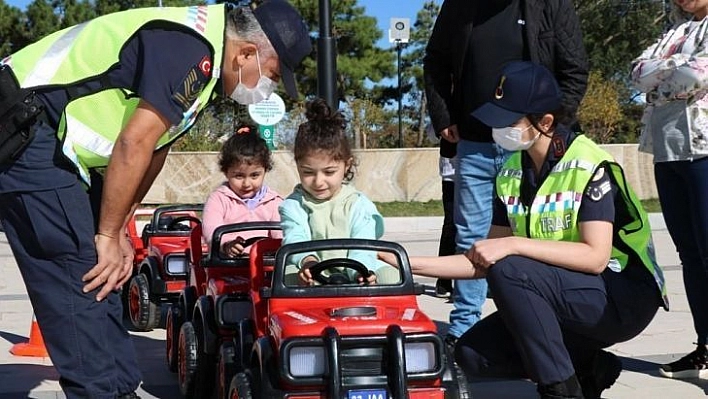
{"x":597,"y":190}
{"x":205,"y":66}
{"x":190,"y":87}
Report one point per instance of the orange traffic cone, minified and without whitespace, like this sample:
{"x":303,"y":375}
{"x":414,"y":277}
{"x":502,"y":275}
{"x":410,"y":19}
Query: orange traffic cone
{"x":35,"y":347}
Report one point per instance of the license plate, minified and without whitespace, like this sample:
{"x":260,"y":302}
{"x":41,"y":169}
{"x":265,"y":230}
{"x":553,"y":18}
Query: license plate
{"x":368,"y":394}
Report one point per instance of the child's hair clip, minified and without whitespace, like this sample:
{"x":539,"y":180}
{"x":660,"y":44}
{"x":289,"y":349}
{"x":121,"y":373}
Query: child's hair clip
{"x":243,"y":130}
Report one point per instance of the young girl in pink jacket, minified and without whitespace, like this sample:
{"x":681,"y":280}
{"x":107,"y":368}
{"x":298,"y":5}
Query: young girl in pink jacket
{"x":243,"y":197}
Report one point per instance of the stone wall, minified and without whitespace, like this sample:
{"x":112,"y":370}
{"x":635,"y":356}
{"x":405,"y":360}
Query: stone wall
{"x":383,"y":175}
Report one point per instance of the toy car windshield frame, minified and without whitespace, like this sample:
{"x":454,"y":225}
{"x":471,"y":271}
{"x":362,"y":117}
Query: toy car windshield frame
{"x":406,"y":286}
{"x":153,"y":227}
{"x":217,"y":259}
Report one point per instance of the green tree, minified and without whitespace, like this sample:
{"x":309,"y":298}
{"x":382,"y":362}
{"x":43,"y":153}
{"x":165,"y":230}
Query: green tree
{"x":367,"y":121}
{"x":11,"y":31}
{"x":359,"y":61}
{"x":413,"y":67}
{"x":40,"y":21}
{"x":600,"y":112}
{"x":72,"y":12}
{"x":615,"y":32}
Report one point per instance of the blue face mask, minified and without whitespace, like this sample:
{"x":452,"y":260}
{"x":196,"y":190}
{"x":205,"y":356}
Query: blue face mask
{"x":509,"y":138}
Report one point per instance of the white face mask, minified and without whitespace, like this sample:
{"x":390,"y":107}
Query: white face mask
{"x":509,"y":138}
{"x":262,"y":90}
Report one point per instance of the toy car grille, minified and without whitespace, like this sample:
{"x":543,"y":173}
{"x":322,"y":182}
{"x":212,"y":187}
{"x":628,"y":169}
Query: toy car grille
{"x":360,"y":361}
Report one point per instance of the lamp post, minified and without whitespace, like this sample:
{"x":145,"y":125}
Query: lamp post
{"x":398,"y":34}
{"x":399,"y":47}
{"x":326,"y":61}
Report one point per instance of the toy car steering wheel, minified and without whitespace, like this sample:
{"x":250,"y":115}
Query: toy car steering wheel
{"x":339,"y":278}
{"x":246,"y":243}
{"x":175,"y":224}
{"x":251,"y":241}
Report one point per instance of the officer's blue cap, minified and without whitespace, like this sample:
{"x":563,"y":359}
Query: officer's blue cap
{"x":289,"y":36}
{"x":524,"y":88}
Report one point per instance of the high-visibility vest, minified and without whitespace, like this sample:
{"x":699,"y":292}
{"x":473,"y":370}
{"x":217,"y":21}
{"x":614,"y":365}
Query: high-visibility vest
{"x":90,"y":124}
{"x":553,"y":214}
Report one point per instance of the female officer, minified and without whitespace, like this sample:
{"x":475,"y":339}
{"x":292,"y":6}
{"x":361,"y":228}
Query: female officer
{"x":569,"y":255}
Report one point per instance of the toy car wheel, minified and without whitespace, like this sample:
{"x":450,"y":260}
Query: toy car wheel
{"x":187,"y":359}
{"x":195,"y":369}
{"x":240,"y":386}
{"x":228,"y":367}
{"x":144,"y":313}
{"x":261,"y":380}
{"x":455,"y":381}
{"x":172,"y":328}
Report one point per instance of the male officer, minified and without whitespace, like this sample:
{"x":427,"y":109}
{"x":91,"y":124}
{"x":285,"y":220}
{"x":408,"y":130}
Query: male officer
{"x":115,"y":92}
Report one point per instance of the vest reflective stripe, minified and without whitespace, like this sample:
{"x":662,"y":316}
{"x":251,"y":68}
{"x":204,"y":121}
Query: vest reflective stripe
{"x":71,"y":55}
{"x":574,"y":164}
{"x":515,"y":174}
{"x":513,"y":205}
{"x":553,"y":214}
{"x":48,"y":65}
{"x":83,"y":136}
{"x":561,"y":201}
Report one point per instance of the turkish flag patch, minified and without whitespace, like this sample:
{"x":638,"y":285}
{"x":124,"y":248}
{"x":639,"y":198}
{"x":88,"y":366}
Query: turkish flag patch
{"x":205,"y":65}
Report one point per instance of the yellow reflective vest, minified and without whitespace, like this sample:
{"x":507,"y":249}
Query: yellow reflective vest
{"x":553,"y":213}
{"x":91,"y":123}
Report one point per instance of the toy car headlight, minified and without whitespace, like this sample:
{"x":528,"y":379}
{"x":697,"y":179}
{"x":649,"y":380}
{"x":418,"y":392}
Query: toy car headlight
{"x":420,"y":357}
{"x":307,"y":361}
{"x":176,"y":264}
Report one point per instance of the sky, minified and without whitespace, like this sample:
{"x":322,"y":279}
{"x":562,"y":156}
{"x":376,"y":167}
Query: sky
{"x":383,"y":10}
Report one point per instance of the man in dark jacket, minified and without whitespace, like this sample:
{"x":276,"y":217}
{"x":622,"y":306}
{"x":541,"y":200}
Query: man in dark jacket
{"x":470,"y":43}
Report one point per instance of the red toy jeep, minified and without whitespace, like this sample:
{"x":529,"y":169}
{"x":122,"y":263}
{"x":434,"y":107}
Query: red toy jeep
{"x":339,"y":339}
{"x":160,"y":275}
{"x":134,"y":230}
{"x":210,"y":308}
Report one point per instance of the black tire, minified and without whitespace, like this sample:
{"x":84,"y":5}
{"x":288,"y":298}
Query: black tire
{"x":228,"y":366}
{"x":172,"y":329}
{"x":240,"y":387}
{"x":262,"y":382}
{"x":187,"y":350}
{"x":195,"y":367}
{"x":144,"y":314}
{"x":455,"y":381}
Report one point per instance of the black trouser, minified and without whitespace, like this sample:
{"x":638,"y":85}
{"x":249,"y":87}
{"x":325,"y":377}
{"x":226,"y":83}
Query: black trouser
{"x":550,"y":320}
{"x":51,"y":233}
{"x":447,"y":236}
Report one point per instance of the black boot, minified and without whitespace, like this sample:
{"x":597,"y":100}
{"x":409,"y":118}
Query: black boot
{"x":568,"y":389}
{"x":604,"y":371}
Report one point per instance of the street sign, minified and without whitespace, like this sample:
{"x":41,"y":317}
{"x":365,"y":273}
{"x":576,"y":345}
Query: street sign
{"x":269,"y":111}
{"x":400,"y":30}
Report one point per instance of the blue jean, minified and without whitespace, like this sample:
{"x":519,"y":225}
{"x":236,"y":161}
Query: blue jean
{"x":683,"y":193}
{"x":475,"y":173}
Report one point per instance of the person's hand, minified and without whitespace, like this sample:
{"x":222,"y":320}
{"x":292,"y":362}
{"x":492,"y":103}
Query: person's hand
{"x":389,"y":258}
{"x":234,"y":247}
{"x":304,"y":276}
{"x":126,"y":246}
{"x":485,"y":253}
{"x":111,"y":268}
{"x":450,"y":134}
{"x":370,"y":279}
